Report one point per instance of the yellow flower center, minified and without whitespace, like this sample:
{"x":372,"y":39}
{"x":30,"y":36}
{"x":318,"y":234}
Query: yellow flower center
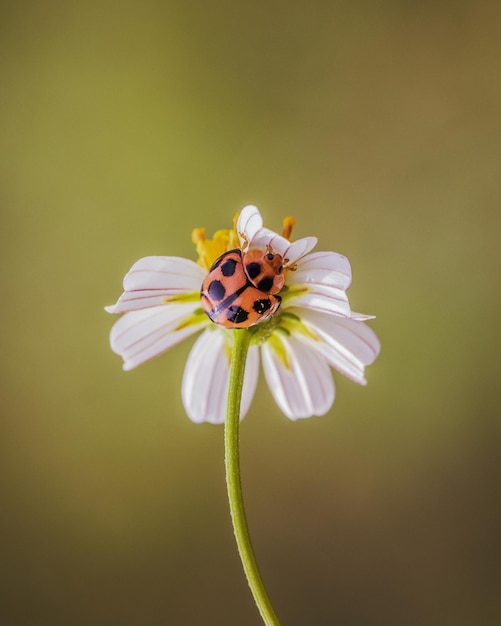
{"x":209,"y":250}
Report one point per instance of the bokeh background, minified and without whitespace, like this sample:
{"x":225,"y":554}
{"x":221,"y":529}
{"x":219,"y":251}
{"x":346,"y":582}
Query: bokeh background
{"x":123,"y":126}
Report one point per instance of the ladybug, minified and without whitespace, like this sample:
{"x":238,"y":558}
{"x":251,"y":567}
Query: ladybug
{"x":241,"y":290}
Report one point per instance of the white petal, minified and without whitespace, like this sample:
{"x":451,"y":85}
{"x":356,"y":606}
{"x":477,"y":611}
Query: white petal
{"x":248,"y":224}
{"x":305,"y":387}
{"x":141,"y":335}
{"x":137,"y":300}
{"x":164,"y":272}
{"x":299,"y":248}
{"x":362,"y":317}
{"x":347,"y":344}
{"x":153,"y":279}
{"x":206,"y":378}
{"x":266,"y":237}
{"x":323,"y":268}
{"x":320,"y":298}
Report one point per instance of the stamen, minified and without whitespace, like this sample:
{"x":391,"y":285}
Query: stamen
{"x":209,"y":250}
{"x":288,"y":223}
{"x":198,"y":235}
{"x":200,"y":241}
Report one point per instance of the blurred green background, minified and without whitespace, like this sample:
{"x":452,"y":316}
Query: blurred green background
{"x":125,"y":125}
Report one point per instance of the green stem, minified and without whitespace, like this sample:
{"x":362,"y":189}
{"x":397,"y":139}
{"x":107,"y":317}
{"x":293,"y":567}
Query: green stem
{"x":232,"y":462}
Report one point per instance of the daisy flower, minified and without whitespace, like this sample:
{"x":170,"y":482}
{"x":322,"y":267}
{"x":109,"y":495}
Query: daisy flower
{"x":309,"y":329}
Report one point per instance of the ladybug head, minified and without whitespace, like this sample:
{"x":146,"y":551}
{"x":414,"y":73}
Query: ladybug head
{"x":265,"y":270}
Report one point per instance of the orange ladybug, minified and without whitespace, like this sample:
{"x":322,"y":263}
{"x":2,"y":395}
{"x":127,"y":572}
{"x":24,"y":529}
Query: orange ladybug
{"x":241,"y":290}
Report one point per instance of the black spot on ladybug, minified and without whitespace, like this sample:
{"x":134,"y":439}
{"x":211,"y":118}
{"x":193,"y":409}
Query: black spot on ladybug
{"x":261,"y":306}
{"x":253,"y":269}
{"x":236,"y":314}
{"x":228,"y":267}
{"x":270,"y":256}
{"x":265,"y":284}
{"x":216,"y":290}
